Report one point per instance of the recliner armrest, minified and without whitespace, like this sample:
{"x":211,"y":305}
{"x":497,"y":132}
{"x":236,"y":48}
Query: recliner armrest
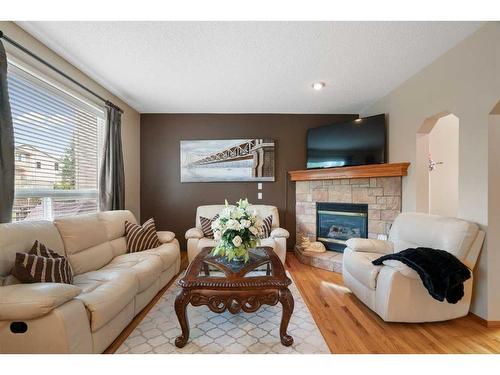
{"x":194,"y":233}
{"x":279,"y":233}
{"x":30,"y":301}
{"x":165,"y":236}
{"x":368,"y":245}
{"x":402,"y":268}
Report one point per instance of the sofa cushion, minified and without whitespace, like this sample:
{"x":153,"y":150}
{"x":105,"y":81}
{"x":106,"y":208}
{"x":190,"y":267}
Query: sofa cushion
{"x":20,"y":236}
{"x":105,"y":293}
{"x":146,"y":267}
{"x":114,"y":222}
{"x":85,"y":242}
{"x":42,"y":265}
{"x":30,"y":301}
{"x":168,"y":253}
{"x":141,"y":238}
{"x":359,"y":265}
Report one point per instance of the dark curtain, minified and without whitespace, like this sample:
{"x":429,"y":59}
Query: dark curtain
{"x":112,"y":175}
{"x":6,"y":145}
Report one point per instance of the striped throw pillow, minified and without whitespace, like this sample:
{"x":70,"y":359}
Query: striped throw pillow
{"x":141,"y":238}
{"x":266,"y":227}
{"x":206,"y":226}
{"x":42,"y":265}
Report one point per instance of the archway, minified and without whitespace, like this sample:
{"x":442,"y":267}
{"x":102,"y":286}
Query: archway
{"x":437,"y":165}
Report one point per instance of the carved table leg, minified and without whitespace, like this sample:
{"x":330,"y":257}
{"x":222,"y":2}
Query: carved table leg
{"x":286,"y":299}
{"x":181,"y":302}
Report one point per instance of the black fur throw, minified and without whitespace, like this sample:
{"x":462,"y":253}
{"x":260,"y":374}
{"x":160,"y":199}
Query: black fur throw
{"x":442,"y":273}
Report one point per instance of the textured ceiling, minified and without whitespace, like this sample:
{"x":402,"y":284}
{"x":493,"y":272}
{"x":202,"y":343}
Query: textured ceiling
{"x":250,"y":67}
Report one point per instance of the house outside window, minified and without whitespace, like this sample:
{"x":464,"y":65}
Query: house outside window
{"x":58,"y":138}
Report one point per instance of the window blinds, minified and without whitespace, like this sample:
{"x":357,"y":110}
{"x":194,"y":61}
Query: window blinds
{"x":57,"y":149}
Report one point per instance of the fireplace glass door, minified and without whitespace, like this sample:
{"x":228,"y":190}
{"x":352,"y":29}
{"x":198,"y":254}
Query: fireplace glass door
{"x":338,"y":222}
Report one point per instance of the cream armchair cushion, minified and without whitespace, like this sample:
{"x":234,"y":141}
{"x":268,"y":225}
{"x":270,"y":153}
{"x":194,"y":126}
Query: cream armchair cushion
{"x":395,"y":291}
{"x":29,"y":301}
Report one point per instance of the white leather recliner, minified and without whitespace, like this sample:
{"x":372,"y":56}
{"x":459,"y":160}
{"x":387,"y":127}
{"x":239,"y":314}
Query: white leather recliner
{"x":395,"y":291}
{"x":196,"y":240}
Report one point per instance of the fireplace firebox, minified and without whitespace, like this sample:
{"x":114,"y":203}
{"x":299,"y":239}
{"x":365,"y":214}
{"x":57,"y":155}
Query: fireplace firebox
{"x":337,"y":222}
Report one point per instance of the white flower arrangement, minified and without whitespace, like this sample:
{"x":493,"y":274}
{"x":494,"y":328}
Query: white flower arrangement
{"x":236,"y":230}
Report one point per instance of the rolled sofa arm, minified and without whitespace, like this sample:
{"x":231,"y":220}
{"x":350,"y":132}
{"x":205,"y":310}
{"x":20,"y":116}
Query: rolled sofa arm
{"x":165,"y":236}
{"x":30,"y":301}
{"x":279,"y":233}
{"x":367,"y":245}
{"x":194,"y":233}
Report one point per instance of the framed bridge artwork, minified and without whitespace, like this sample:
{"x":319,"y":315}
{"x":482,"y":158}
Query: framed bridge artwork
{"x":227,"y":160}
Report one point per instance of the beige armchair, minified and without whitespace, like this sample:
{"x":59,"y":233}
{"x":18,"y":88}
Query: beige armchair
{"x":196,"y":240}
{"x":395,"y":291}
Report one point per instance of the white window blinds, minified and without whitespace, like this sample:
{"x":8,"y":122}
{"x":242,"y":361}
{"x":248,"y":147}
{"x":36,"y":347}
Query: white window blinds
{"x":57,"y":149}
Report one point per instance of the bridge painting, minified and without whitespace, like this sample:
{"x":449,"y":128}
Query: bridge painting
{"x":227,"y":160}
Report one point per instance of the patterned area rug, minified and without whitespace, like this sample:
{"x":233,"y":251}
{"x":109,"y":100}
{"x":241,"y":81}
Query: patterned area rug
{"x":225,"y":333}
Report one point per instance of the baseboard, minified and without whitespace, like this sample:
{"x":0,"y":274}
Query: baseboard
{"x":484,"y":322}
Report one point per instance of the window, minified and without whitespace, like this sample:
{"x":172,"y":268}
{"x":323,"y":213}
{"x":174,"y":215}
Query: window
{"x":57,"y":142}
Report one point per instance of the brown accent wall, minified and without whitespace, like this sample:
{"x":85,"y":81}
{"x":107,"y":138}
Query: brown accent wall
{"x":173,"y":204}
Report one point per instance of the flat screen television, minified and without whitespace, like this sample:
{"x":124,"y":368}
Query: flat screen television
{"x":358,"y":142}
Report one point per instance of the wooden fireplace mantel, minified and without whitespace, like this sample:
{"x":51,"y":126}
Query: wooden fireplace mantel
{"x":361,"y":171}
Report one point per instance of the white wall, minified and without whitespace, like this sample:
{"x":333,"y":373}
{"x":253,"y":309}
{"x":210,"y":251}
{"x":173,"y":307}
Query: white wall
{"x":443,"y":180}
{"x":130,"y":117}
{"x":464,"y":81}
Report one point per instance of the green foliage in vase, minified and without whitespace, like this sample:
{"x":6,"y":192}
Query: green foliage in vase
{"x":236,"y":231}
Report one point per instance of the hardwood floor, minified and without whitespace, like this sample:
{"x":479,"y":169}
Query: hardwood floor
{"x":348,"y":326}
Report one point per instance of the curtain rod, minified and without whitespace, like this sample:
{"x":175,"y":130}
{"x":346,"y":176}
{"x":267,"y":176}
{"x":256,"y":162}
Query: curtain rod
{"x":49,"y":65}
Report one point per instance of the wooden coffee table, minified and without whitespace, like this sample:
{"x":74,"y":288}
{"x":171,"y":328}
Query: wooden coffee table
{"x":222,"y":286}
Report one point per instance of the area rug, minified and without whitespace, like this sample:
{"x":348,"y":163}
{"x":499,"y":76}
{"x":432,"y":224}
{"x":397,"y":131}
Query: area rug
{"x":225,"y":333}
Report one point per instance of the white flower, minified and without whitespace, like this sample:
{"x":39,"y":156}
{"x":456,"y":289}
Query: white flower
{"x":233,"y":224}
{"x":254,"y":231}
{"x":216,"y":225}
{"x":217,"y":235}
{"x":237,"y":241}
{"x":226,"y":213}
{"x":245,"y":223}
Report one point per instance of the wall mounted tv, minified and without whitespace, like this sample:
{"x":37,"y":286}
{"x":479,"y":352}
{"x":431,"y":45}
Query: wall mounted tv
{"x":358,"y":142}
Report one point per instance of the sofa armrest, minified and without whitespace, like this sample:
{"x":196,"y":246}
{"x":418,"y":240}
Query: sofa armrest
{"x":30,"y":301}
{"x":165,"y":236}
{"x":194,"y":233}
{"x":279,"y":233}
{"x":367,"y":245}
{"x":401,"y":268}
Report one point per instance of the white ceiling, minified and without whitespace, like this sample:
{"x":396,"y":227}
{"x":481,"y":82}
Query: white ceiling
{"x":250,"y":67}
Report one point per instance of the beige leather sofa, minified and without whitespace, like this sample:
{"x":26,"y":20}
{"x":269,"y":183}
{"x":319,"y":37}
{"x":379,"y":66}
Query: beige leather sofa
{"x":277,"y":240}
{"x":395,"y":291}
{"x":110,"y":286}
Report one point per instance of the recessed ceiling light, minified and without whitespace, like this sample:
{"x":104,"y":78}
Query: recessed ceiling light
{"x":318,"y":85}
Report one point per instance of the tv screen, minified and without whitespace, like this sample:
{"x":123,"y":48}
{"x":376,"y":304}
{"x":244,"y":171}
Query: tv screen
{"x":357,"y":142}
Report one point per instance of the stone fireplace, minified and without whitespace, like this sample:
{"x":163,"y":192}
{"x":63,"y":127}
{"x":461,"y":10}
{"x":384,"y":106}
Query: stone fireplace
{"x":345,"y":190}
